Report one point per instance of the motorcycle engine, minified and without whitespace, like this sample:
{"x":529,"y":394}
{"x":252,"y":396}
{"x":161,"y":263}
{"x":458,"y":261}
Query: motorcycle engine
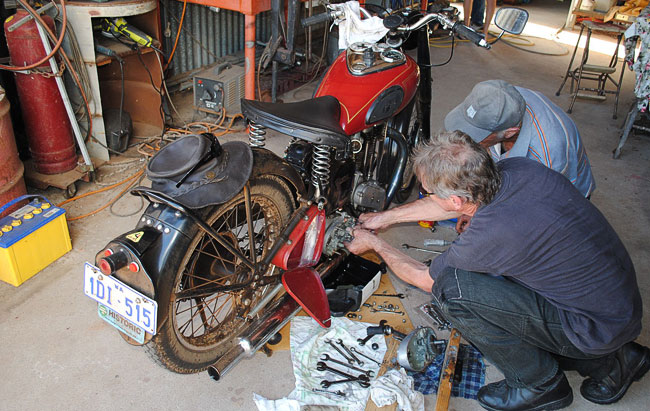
{"x":369,"y":195}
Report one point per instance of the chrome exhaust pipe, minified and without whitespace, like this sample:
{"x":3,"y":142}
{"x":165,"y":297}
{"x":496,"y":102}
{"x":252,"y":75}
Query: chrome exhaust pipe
{"x":265,"y":327}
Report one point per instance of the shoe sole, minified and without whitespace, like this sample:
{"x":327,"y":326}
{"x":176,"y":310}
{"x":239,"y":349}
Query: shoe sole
{"x":639,"y":372}
{"x":555,"y":405}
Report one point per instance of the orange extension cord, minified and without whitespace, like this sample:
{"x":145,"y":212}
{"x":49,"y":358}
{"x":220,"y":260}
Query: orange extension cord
{"x":133,"y":179}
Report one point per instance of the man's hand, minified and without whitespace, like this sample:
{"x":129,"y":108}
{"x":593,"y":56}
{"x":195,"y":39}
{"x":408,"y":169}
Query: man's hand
{"x":463,"y":223}
{"x":373,"y":221}
{"x":363,"y":241}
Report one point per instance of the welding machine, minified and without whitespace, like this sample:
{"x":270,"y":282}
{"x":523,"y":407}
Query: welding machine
{"x":31,"y":238}
{"x":220,"y":87}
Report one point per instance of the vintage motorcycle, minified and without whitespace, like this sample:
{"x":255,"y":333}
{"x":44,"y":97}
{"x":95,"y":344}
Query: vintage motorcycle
{"x":236,"y":240}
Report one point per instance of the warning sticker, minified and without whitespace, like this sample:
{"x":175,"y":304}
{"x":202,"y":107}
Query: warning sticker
{"x":135,"y":237}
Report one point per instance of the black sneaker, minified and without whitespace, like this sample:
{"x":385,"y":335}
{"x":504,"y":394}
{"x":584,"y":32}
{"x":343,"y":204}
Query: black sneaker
{"x":555,"y":394}
{"x":631,"y":363}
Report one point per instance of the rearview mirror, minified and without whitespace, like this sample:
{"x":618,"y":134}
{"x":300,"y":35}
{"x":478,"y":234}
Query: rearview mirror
{"x":511,"y":19}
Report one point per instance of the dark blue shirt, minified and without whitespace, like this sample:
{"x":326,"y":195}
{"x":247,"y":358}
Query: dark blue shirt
{"x":541,"y":232}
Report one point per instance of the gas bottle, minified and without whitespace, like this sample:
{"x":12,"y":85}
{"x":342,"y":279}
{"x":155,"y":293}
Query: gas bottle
{"x":48,"y":129}
{"x":12,"y":184}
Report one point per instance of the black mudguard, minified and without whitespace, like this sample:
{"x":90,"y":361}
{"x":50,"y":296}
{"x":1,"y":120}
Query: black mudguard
{"x":167,"y":233}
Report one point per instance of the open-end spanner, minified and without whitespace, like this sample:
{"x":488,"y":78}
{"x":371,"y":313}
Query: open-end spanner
{"x":338,"y":393}
{"x":321,"y":366}
{"x":326,"y":357}
{"x":348,"y":359}
{"x":365,"y":356}
{"x":326,"y":384}
{"x":347,"y":350}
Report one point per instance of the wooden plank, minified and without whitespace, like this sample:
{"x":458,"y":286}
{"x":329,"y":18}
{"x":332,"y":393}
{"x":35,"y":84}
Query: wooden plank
{"x":447,"y":373}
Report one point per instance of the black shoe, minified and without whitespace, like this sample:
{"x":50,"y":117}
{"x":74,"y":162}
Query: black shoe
{"x":552,"y":395}
{"x":631,"y":363}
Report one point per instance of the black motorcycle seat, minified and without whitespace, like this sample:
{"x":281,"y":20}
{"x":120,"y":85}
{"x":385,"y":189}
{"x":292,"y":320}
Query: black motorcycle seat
{"x":316,"y":120}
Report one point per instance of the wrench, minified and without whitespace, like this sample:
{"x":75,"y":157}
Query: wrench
{"x":337,"y":393}
{"x":326,"y":357}
{"x":365,"y":340}
{"x":408,"y":246}
{"x":321,"y":366}
{"x":400,"y":295}
{"x":326,"y":384}
{"x":365,"y":356}
{"x":347,"y":350}
{"x":348,"y":359}
{"x":372,"y":310}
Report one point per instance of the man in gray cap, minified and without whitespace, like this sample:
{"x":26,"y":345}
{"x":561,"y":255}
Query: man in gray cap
{"x":516,"y":122}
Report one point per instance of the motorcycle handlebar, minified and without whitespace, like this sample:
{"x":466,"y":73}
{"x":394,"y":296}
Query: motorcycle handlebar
{"x":470,"y":35}
{"x":456,"y":27}
{"x":318,"y":18}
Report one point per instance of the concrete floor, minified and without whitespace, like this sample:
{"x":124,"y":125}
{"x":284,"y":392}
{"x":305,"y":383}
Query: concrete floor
{"x":57,"y":354}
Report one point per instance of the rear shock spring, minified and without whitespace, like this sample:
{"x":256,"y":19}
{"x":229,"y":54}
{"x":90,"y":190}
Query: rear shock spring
{"x":256,"y":135}
{"x":320,"y":168}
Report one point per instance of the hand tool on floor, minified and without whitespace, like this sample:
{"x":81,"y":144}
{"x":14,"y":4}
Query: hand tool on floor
{"x":400,"y":295}
{"x":436,"y":242}
{"x":338,"y":393}
{"x":348,"y":359}
{"x":365,"y":356}
{"x":326,"y":357}
{"x":347,"y":350}
{"x":362,"y":379}
{"x":408,"y":246}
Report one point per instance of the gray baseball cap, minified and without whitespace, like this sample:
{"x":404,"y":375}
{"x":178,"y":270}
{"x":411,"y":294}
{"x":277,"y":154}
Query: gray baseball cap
{"x":492,"y":105}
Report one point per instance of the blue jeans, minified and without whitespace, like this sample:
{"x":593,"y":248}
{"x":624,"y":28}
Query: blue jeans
{"x":478,"y":12}
{"x":515,"y":328}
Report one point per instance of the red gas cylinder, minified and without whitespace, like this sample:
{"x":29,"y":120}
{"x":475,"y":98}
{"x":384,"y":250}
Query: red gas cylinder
{"x":49,"y":134}
{"x":12,"y":184}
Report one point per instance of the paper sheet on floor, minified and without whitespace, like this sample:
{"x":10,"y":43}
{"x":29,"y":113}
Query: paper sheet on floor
{"x":308,"y":344}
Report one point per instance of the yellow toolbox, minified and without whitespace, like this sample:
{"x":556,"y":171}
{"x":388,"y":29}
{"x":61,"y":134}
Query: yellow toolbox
{"x":31,"y":238}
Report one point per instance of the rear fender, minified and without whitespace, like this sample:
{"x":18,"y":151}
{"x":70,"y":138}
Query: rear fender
{"x":266,"y":162}
{"x":163,"y":234}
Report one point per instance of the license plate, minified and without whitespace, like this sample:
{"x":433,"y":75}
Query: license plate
{"x":107,"y":290}
{"x":121,"y":323}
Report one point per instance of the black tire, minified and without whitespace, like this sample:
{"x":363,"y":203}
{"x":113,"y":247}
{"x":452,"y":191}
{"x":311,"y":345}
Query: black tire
{"x":197,"y":331}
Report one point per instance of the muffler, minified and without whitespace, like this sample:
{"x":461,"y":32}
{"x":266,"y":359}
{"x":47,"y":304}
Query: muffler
{"x":266,"y":326}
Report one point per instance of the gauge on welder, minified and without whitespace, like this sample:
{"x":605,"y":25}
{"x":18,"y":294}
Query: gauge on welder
{"x":391,"y":56}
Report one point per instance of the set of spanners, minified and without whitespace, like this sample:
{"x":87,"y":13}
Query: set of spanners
{"x":362,"y":379}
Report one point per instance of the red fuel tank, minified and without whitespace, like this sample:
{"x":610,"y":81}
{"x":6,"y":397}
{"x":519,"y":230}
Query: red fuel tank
{"x":49,"y":134}
{"x":12,"y":184}
{"x":370,"y":95}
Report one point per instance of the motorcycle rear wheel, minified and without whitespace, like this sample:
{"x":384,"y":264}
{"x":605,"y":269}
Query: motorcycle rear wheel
{"x":197,"y":331}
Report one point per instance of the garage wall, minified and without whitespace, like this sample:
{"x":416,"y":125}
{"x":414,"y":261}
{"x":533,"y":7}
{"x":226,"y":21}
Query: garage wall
{"x":207,"y":34}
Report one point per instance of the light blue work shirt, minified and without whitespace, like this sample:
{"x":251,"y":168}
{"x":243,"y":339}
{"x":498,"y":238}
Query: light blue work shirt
{"x":549,"y":136}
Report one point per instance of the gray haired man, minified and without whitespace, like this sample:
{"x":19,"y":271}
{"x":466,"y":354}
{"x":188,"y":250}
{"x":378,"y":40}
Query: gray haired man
{"x":516,"y":122}
{"x":557,"y":291}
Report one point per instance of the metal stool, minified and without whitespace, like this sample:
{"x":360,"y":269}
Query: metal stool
{"x":628,"y":126}
{"x":600,"y":74}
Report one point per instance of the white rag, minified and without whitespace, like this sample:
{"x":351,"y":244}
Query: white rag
{"x":308,"y":344}
{"x":353,"y":30}
{"x":394,"y":386}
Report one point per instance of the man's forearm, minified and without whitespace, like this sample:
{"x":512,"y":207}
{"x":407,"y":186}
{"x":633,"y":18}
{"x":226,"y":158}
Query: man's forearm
{"x":422,"y":209}
{"x":405,"y":267}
